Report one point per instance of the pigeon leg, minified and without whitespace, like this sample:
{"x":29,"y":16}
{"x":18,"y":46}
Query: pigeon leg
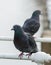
{"x":20,"y":55}
{"x":28,"y":55}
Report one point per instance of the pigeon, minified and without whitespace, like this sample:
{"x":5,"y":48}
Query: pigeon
{"x":32,"y":24}
{"x":24,"y":42}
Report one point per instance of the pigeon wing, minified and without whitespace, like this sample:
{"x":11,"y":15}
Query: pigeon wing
{"x":31,"y":26}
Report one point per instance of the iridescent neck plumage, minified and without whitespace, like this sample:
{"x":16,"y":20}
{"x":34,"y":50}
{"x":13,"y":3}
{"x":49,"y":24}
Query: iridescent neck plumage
{"x":18,"y":33}
{"x":36,"y":17}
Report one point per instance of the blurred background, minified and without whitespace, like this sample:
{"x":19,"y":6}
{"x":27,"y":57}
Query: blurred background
{"x":16,"y":12}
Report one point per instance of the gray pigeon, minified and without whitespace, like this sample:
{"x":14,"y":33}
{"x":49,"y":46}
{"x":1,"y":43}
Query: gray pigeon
{"x":24,"y":42}
{"x":32,"y":24}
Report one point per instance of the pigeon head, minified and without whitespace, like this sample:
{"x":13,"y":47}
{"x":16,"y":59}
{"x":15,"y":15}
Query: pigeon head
{"x":16,"y":27}
{"x":18,"y":30}
{"x":36,"y":13}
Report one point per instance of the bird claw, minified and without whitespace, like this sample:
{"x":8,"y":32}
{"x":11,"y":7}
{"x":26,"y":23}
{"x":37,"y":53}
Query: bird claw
{"x":21,"y":55}
{"x":28,"y":55}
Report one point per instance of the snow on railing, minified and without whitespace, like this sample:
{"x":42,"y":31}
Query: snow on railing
{"x":39,"y":57}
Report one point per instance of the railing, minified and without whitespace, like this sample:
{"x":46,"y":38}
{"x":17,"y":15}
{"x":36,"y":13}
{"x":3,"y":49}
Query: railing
{"x":39,"y":57}
{"x":36,"y":39}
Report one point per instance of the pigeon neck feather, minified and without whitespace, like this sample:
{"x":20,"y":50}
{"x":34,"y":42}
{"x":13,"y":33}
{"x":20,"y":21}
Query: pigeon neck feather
{"x":18,"y":33}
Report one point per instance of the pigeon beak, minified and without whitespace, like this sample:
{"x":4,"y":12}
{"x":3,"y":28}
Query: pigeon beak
{"x":12,"y":29}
